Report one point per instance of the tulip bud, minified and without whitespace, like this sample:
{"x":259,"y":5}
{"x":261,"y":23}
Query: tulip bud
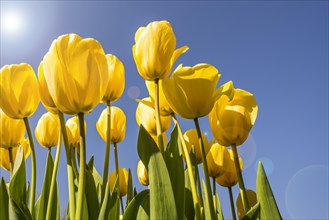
{"x":142,"y":174}
{"x":4,"y":154}
{"x":19,"y":90}
{"x":191,"y":138}
{"x":118,"y":125}
{"x":12,"y":131}
{"x":47,"y":130}
{"x":123,"y":177}
{"x":73,"y":131}
{"x":218,"y":159}
{"x":116,"y":82}
{"x":154,"y":50}
{"x":252,"y":198}
{"x":145,"y":115}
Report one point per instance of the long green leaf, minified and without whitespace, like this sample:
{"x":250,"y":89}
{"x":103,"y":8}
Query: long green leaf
{"x":189,"y":206}
{"x":4,"y":200}
{"x":130,"y":193}
{"x":91,"y":193}
{"x":114,"y":211}
{"x":175,"y":165}
{"x":253,"y":213}
{"x":219,"y":211}
{"x":162,"y":200}
{"x":206,"y":202}
{"x":268,"y":206}
{"x":139,"y":207}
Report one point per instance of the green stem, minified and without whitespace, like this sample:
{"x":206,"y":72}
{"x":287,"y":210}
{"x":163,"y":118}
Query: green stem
{"x":122,"y":209}
{"x":205,"y":169}
{"x":232,"y":202}
{"x":74,"y":162}
{"x":70,"y":175}
{"x":11,"y":161}
{"x":53,"y":179}
{"x":82,"y":175}
{"x":197,"y":176}
{"x":107,"y":151}
{"x":157,"y":115}
{"x":214,"y":186}
{"x":189,"y":169}
{"x":244,"y":197}
{"x":34,"y":166}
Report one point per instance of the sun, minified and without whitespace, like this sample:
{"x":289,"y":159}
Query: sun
{"x":11,"y":22}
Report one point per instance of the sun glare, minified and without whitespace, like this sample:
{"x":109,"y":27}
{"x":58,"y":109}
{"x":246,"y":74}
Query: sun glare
{"x":11,"y":22}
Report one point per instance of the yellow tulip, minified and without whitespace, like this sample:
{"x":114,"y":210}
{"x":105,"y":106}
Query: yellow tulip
{"x":154,"y":50}
{"x":19,"y":90}
{"x":4,"y":154}
{"x":145,"y":115}
{"x":116,"y":82}
{"x":232,"y":120}
{"x":191,"y":91}
{"x":12,"y":131}
{"x":252,"y":198}
{"x":142,"y":174}
{"x":73,"y":131}
{"x":191,"y":139}
{"x":165,"y":109}
{"x":47,"y":130}
{"x":45,"y":96}
{"x":118,"y":125}
{"x":218,"y":159}
{"x":76,"y":73}
{"x":123,"y":185}
{"x":229,"y":177}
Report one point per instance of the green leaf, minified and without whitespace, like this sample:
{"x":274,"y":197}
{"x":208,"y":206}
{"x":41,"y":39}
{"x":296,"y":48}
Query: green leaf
{"x":189,"y":206}
{"x":130,"y":193}
{"x":253,"y":213}
{"x":91,"y":193}
{"x":139,"y":207}
{"x":268,"y":206}
{"x":4,"y":200}
{"x":110,"y":205}
{"x":114,"y":205}
{"x":162,"y":200}
{"x":206,"y":201}
{"x":175,"y":166}
{"x":219,"y":211}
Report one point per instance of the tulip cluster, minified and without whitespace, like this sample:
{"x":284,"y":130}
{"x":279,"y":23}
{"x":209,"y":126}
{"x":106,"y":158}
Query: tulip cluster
{"x":76,"y":75}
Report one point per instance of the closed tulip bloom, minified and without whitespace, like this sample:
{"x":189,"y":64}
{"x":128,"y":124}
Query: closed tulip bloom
{"x":232,"y":120}
{"x":229,"y":178}
{"x":191,"y":139}
{"x":154,"y":50}
{"x":116,"y":82}
{"x":218,"y":159}
{"x":73,"y":131}
{"x":142,"y":174}
{"x":123,"y":185}
{"x":76,"y":73}
{"x":191,"y":91}
{"x":165,"y":109}
{"x":145,"y":115}
{"x":4,"y":154}
{"x":47,"y":130}
{"x":19,"y":90}
{"x":118,"y":125}
{"x":45,"y":96}
{"x":12,"y":131}
{"x":252,"y":198}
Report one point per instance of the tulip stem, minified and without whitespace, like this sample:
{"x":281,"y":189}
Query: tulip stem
{"x":74,"y":162}
{"x":53,"y":179}
{"x":197,"y":176}
{"x":157,"y":115}
{"x":122,"y":209}
{"x":107,"y":151}
{"x":34,"y":166}
{"x":244,"y":197}
{"x":205,"y":169}
{"x":11,"y":161}
{"x":232,"y":202}
{"x":82,"y":175}
{"x":214,"y":186}
{"x":70,"y":175}
{"x":189,"y":169}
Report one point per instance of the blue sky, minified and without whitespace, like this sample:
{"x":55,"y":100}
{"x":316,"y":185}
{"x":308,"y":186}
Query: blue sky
{"x":278,"y":50}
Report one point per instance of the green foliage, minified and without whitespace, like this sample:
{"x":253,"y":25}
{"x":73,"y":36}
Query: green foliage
{"x":139,"y":207}
{"x":253,"y":213}
{"x":4,"y":200}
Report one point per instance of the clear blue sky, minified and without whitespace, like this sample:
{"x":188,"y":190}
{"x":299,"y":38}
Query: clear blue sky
{"x":278,"y":50}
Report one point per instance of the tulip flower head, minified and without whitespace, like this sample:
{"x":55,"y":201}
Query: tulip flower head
{"x":76,"y":73}
{"x":123,"y":177}
{"x":73,"y":131}
{"x":154,"y":50}
{"x":4,"y":154}
{"x":191,"y":91}
{"x":145,"y":115}
{"x":116,"y":82}
{"x":19,"y":90}
{"x":47,"y":130}
{"x":12,"y":131}
{"x":232,"y":120}
{"x":229,"y":177}
{"x":218,"y":159}
{"x":118,"y":125}
{"x":142,"y":174}
{"x":191,"y":139}
{"x":252,"y":198}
